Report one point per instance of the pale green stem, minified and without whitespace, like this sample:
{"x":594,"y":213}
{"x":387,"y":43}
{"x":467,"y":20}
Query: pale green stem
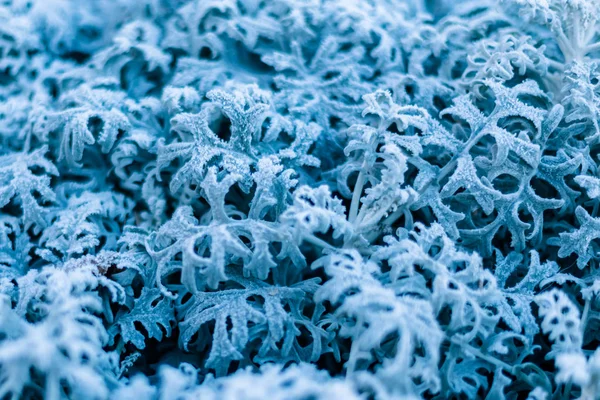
{"x":358,"y":188}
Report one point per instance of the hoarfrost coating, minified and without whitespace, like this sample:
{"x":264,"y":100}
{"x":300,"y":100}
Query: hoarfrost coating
{"x":240,"y":199}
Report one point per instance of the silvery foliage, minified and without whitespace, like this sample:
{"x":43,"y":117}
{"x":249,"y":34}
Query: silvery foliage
{"x":241,"y":199}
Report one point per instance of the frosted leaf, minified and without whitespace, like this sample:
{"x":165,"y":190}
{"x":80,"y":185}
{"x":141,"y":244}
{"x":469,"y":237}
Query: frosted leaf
{"x":465,"y":176}
{"x":560,"y":321}
{"x":153,"y":312}
{"x":590,"y":184}
{"x":247,"y":311}
{"x":579,"y":241}
{"x":18,"y":183}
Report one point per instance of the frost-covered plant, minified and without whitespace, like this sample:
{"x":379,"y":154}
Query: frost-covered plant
{"x":240,"y":199}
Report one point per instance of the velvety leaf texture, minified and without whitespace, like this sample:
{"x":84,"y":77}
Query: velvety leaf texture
{"x":300,"y":199}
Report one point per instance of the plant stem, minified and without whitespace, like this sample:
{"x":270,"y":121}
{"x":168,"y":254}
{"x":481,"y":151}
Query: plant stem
{"x":358,"y":188}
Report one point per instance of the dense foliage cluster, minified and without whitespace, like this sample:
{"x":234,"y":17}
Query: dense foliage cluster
{"x":299,"y":199}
